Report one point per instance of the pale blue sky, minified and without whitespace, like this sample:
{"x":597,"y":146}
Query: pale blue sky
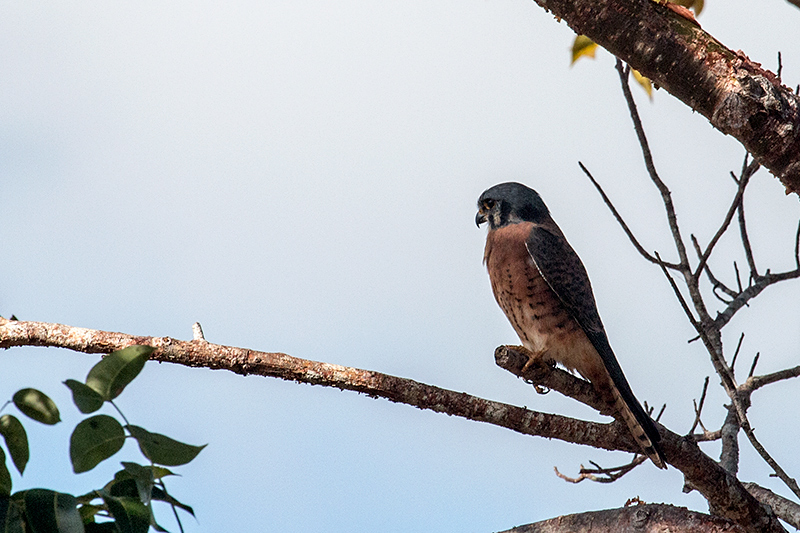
{"x":301,"y":176}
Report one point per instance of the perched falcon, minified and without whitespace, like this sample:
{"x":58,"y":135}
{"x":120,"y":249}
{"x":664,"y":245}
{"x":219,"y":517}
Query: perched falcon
{"x":542,"y":286}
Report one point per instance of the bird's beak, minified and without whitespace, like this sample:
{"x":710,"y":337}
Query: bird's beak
{"x":480,"y":218}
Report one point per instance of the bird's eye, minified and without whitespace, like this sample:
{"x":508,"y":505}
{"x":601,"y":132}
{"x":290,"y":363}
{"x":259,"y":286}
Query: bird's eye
{"x":488,"y":203}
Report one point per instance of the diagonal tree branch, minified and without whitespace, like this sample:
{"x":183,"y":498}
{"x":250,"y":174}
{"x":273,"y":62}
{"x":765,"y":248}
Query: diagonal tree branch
{"x":199,"y":353}
{"x":734,"y":93}
{"x":639,"y":248}
{"x":723,"y":491}
{"x":736,"y":204}
{"x":644,"y":518}
{"x":666,"y":195}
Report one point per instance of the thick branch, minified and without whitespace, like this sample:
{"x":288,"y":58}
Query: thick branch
{"x":788,"y":510}
{"x":723,"y":491}
{"x":279,"y":365}
{"x":725,"y":495}
{"x":735,"y":94}
{"x":644,"y":518}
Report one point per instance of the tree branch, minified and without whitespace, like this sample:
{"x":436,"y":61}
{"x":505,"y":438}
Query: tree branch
{"x":621,"y":221}
{"x":666,"y":195}
{"x":756,"y":382}
{"x":719,"y":487}
{"x":723,"y":491}
{"x":736,"y":204}
{"x":649,"y":517}
{"x":787,"y":510}
{"x":759,"y":284}
{"x":200,"y":353}
{"x":735,"y":94}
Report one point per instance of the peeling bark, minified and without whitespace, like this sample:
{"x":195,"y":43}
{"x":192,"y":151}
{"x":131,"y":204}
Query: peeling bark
{"x":734,"y":93}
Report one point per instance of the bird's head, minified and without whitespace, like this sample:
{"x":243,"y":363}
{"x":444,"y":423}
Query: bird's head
{"x":510,"y":203}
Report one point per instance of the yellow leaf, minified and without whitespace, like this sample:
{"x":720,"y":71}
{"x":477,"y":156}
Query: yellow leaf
{"x":696,"y":5}
{"x":644,"y":82}
{"x":582,"y":46}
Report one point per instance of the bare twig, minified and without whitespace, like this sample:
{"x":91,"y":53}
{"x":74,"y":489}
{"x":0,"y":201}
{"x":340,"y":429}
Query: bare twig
{"x":666,"y":195}
{"x":603,"y":475}
{"x":678,"y":294}
{"x":698,"y":409}
{"x":747,"y":171}
{"x":625,"y":228}
{"x":744,"y":296}
{"x":738,"y":277}
{"x":779,"y":472}
{"x":736,"y":353}
{"x":715,"y":283}
{"x":797,"y":247}
{"x":735,"y":204}
{"x":753,"y":366}
{"x":756,"y":382}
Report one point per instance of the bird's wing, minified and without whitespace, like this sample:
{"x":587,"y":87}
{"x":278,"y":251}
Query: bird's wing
{"x":564,"y":272}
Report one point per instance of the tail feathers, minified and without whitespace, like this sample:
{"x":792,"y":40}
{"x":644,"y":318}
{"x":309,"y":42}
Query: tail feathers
{"x":644,"y":431}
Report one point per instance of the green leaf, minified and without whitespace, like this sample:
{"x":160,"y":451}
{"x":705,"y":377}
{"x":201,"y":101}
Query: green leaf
{"x":94,"y":440}
{"x":11,"y":518}
{"x":160,"y":472}
{"x":582,"y":46}
{"x":130,"y":515}
{"x":163,"y":450}
{"x":101,"y":527}
{"x":87,"y":511}
{"x":85,"y":398}
{"x":47,"y":510}
{"x":37,"y":405}
{"x":5,"y":476}
{"x":161,"y":495}
{"x":16,"y":440}
{"x":143,"y":477}
{"x":113,"y":373}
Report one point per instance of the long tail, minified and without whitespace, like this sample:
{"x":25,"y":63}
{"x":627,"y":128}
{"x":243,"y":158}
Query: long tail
{"x":642,"y":428}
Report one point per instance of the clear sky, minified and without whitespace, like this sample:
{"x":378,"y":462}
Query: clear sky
{"x":301,"y":176}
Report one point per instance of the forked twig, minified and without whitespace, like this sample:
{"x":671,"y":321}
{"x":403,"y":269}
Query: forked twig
{"x":599,"y":474}
{"x":736,"y":204}
{"x":698,"y":408}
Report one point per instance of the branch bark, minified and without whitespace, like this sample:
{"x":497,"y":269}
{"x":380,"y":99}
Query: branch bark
{"x":199,"y":353}
{"x":726,"y":496}
{"x":734,"y":93}
{"x":640,"y":518}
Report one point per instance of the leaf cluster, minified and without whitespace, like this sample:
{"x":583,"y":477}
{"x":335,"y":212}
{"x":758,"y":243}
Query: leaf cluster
{"x":123,"y":505}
